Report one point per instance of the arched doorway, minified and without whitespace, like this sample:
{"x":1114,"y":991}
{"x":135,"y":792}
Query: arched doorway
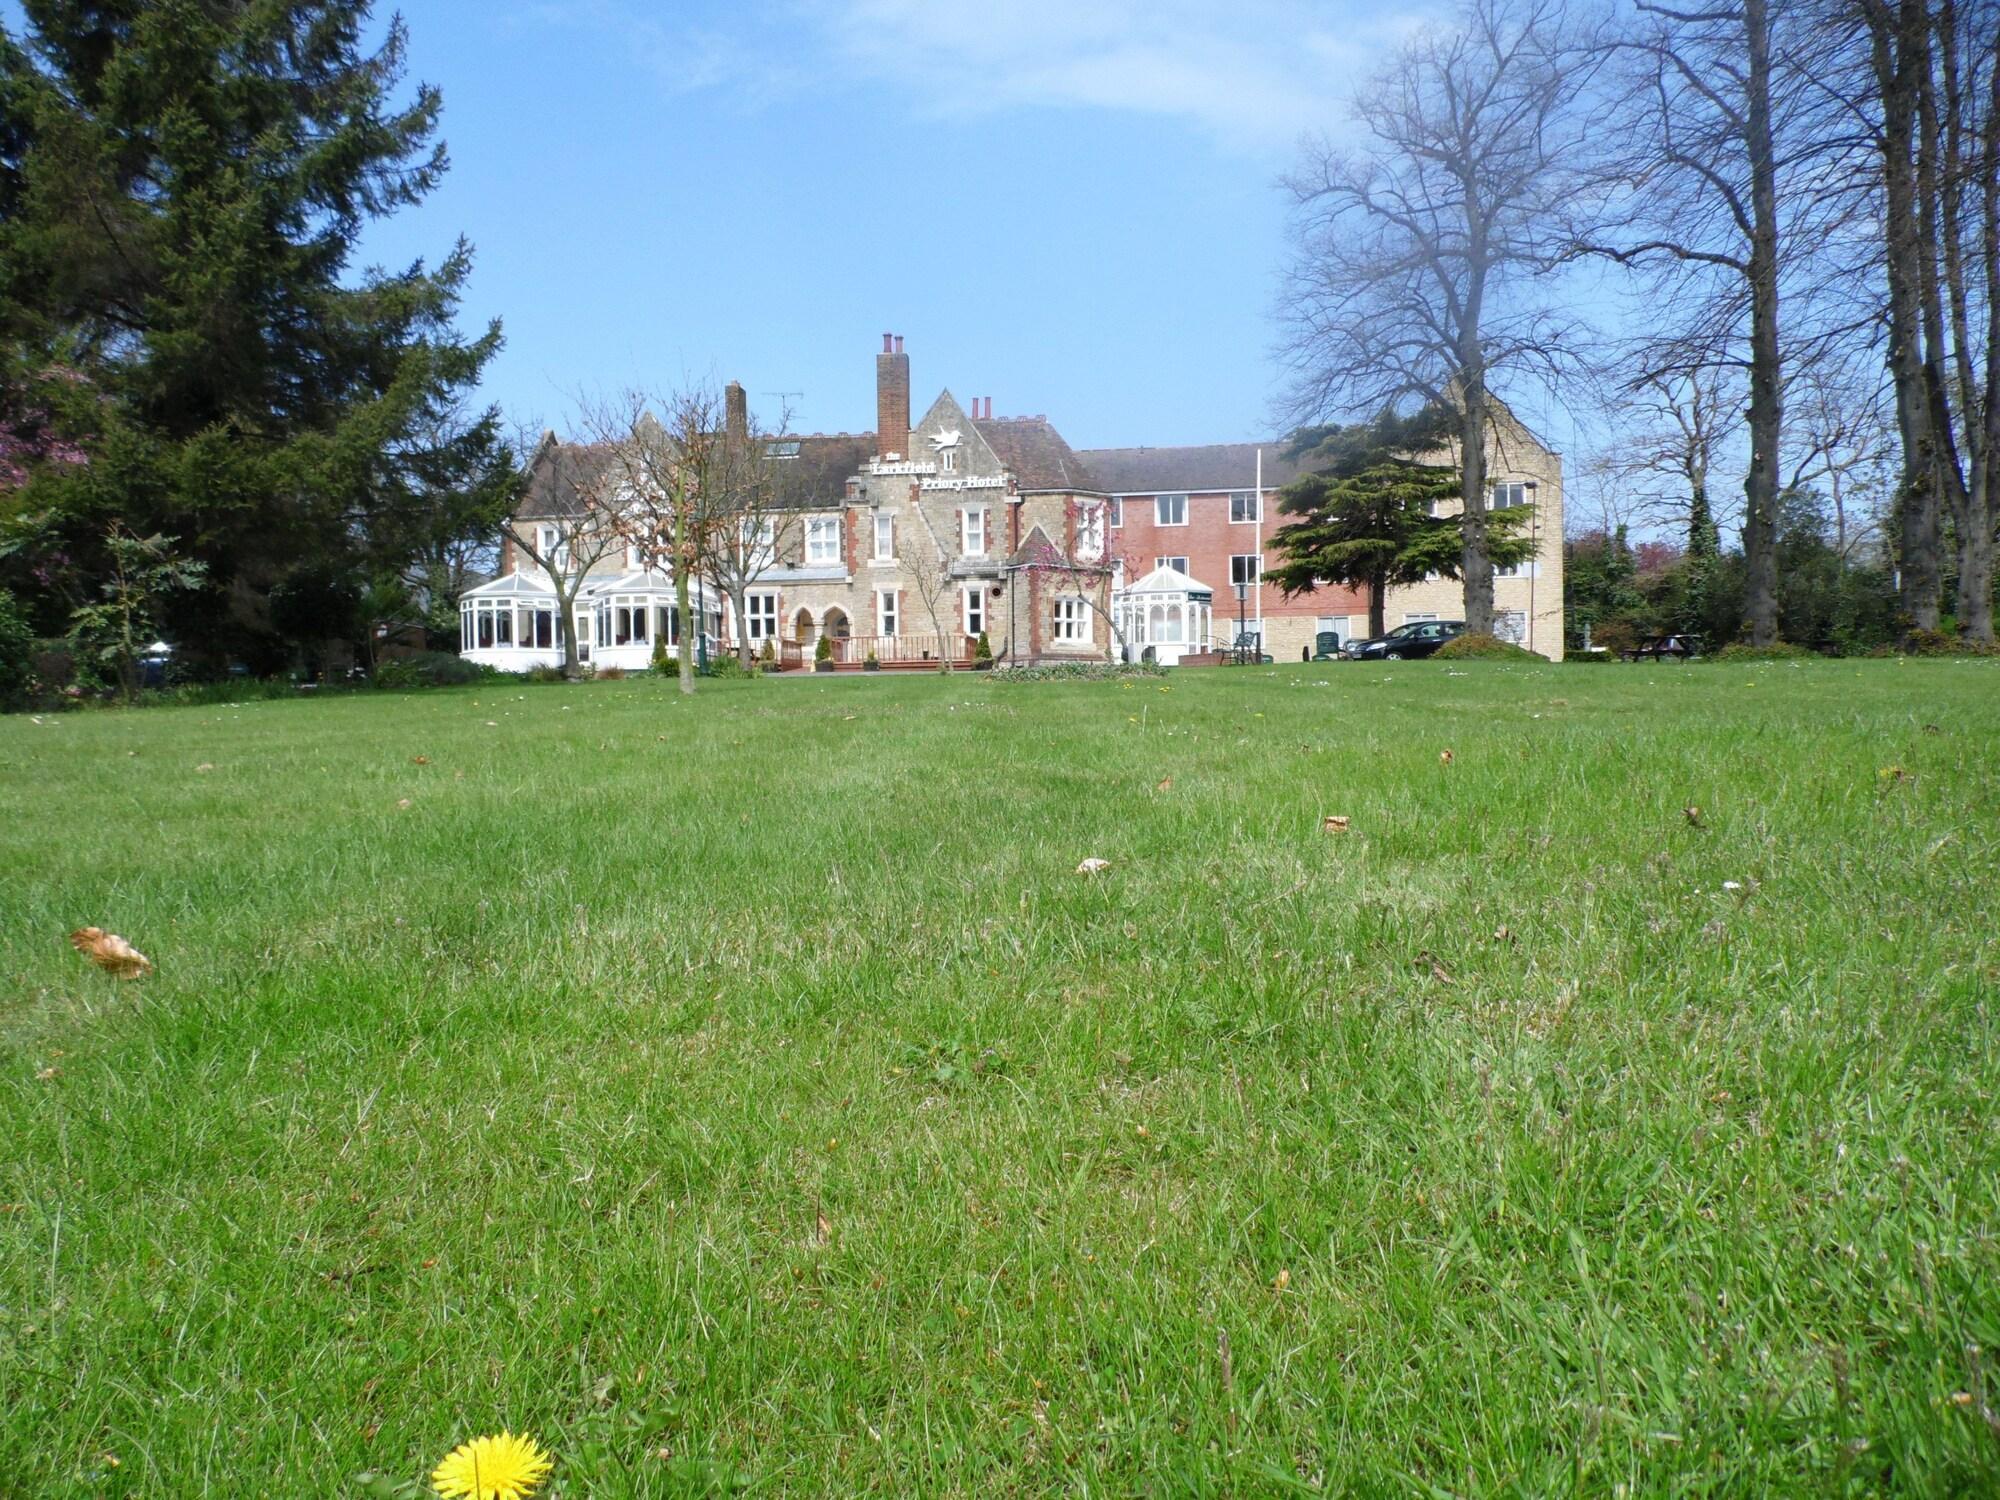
{"x":802,"y":627}
{"x":835,"y":623}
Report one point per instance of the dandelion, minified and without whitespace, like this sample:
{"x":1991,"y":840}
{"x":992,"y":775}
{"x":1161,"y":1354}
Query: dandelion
{"x":492,"y":1468}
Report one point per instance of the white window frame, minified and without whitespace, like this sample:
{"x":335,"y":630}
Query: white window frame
{"x":972,"y":518}
{"x":820,"y":551}
{"x":1421,"y":618}
{"x":885,"y":536}
{"x":1072,"y":620}
{"x":760,"y":614}
{"x":1256,"y":561}
{"x":554,"y":546}
{"x":1506,"y":494}
{"x":1178,"y":564}
{"x":972,"y":608}
{"x":1256,"y":507}
{"x":948,"y":459}
{"x":886,"y":621}
{"x":1170,"y":510}
{"x":1117,"y":511}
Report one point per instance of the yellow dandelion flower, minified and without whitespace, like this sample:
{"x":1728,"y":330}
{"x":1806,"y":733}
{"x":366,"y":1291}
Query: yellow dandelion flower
{"x":492,"y":1468}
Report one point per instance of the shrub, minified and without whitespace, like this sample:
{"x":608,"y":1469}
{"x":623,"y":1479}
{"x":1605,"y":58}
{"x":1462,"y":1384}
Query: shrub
{"x":546,"y":674}
{"x":430,"y":669}
{"x":664,"y":664}
{"x":610,"y":674}
{"x":1941,"y":643}
{"x":1742,"y":651}
{"x":824,"y":650}
{"x":1476,"y":647}
{"x":769,"y":655}
{"x":17,"y":654}
{"x":982,"y":649}
{"x":729,"y":664}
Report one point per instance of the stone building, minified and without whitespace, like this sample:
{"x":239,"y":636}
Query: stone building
{"x":905,"y":546}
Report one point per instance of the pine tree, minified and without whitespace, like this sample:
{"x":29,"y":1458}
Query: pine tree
{"x":1704,"y":548}
{"x":183,"y":184}
{"x":1366,"y":512}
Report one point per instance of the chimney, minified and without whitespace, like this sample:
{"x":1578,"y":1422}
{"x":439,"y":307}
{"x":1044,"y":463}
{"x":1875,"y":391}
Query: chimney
{"x":892,"y":399}
{"x":736,"y":408}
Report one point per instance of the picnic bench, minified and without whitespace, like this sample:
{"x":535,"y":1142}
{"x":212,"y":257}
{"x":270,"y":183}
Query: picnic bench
{"x":1662,"y":648}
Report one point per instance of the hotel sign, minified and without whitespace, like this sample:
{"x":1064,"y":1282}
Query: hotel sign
{"x":970,"y":482}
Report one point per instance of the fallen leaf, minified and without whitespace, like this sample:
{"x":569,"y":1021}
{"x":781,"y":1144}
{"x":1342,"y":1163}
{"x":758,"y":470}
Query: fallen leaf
{"x":402,"y":802}
{"x":1932,"y":729}
{"x":1692,"y":814}
{"x":420,"y":760}
{"x":847,"y":718}
{"x":1444,"y":757}
{"x":430,"y":1263}
{"x":492,"y":723}
{"x":43,"y":1075}
{"x":1334,"y":823}
{"x":110,"y":953}
{"x":1503,"y":934}
{"x":205,"y":766}
{"x":1093,"y":866}
{"x":1166,"y":784}
{"x":1893,"y":774}
{"x":825,"y":1226}
{"x":1438,"y":971}
{"x":1282,"y":1280}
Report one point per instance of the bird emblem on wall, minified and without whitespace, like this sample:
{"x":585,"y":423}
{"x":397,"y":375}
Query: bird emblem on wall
{"x":944,"y":440}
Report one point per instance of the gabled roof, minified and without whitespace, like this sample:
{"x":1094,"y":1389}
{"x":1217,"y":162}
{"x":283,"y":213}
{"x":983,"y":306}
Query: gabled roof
{"x":1036,"y":454}
{"x":1167,"y":580}
{"x":560,"y":475}
{"x":516,"y":585}
{"x":1200,"y":468}
{"x":816,"y":477}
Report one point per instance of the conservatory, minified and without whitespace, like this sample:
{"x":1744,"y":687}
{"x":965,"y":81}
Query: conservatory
{"x":511,"y":623}
{"x":1165,"y":615}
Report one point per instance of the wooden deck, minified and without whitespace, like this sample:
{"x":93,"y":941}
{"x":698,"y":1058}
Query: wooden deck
{"x":893,"y":653}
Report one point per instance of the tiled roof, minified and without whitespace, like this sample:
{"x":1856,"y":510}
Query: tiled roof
{"x":558,"y":474}
{"x":1036,"y":454}
{"x":1200,"y":468}
{"x":817,"y":478}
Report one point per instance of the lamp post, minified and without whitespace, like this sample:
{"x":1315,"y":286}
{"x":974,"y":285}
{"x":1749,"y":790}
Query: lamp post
{"x":1242,"y":594}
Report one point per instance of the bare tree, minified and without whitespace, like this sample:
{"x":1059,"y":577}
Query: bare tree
{"x":1420,"y":257}
{"x":1677,"y":426}
{"x":567,"y":524}
{"x":1843,"y":446}
{"x":748,"y":514}
{"x":927,"y":560}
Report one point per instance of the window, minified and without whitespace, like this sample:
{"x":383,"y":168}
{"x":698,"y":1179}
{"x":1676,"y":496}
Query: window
{"x":1245,"y":568}
{"x":761,"y":615}
{"x":623,"y":621}
{"x":975,"y":609}
{"x":1512,"y":570}
{"x":503,"y":626}
{"x":1170,"y":510}
{"x":631,"y":557}
{"x":822,"y":541}
{"x":1246,"y":505}
{"x":782,"y":448}
{"x":1072,"y":622}
{"x":535,"y":628}
{"x":1118,"y":576}
{"x":485,"y":636}
{"x":948,"y":460}
{"x":1506,"y":496}
{"x":760,"y":537}
{"x":885,"y":611}
{"x":1178,"y":564}
{"x":1117,"y":512}
{"x":885,"y":536}
{"x":667,"y":624}
{"x":584,"y":633}
{"x":972,"y":531}
{"x":1090,"y":532}
{"x":549,"y":540}
{"x":1417,"y":619}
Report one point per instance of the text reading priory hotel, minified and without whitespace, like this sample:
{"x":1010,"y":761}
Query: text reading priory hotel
{"x":905,"y":545}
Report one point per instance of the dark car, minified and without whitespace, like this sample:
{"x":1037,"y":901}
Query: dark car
{"x":1407,"y":642}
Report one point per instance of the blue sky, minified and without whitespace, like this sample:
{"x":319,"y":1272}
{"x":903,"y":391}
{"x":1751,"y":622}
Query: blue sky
{"x":1069,"y":205}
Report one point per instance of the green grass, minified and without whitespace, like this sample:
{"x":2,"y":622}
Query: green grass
{"x":1264,"y":1162}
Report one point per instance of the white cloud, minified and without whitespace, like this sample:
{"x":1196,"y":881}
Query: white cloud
{"x":1251,"y":75}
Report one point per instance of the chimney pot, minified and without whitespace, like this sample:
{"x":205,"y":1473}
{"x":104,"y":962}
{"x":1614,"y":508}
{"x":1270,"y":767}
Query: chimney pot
{"x":892,"y":399}
{"x":899,"y":343}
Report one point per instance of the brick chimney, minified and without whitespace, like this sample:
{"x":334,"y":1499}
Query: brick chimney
{"x":892,"y":399}
{"x":736,"y":411}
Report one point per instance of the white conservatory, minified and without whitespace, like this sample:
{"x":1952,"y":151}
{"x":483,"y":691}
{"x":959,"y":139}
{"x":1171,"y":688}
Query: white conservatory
{"x":510,"y":623}
{"x":1165,"y":615}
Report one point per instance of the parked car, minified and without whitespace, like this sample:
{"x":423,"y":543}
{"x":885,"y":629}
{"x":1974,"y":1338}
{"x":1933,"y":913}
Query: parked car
{"x":1407,"y":642}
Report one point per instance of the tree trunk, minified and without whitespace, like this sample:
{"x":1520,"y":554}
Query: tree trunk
{"x":1378,"y":606}
{"x":687,"y":635}
{"x":566,"y":628}
{"x":739,"y":614}
{"x":1898,"y":49}
{"x":1474,"y":565}
{"x":1760,"y":485}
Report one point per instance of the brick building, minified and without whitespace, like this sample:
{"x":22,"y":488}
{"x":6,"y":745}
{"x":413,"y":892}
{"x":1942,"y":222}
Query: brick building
{"x":908,"y":543}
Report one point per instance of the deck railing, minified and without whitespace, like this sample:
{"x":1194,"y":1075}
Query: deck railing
{"x":888,"y":650}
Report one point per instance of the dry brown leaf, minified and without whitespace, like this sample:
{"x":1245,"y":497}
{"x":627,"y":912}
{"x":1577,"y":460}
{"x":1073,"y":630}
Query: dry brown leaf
{"x":1282,"y":1280}
{"x":825,"y":1226}
{"x":1692,"y":814}
{"x":1438,"y":971}
{"x":1334,"y":823}
{"x":1093,"y":866}
{"x":1444,"y":757}
{"x":402,"y":802}
{"x":205,"y":766}
{"x":43,"y":1075}
{"x":420,"y":760}
{"x":1166,"y":784}
{"x":110,"y":953}
{"x":1503,"y":934}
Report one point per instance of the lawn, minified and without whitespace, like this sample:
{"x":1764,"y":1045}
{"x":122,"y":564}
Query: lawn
{"x":748,"y":1092}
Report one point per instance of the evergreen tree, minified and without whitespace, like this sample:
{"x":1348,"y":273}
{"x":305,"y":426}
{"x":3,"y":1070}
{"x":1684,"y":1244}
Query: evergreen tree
{"x":182,"y":187}
{"x":1704,"y":549}
{"x":1366,"y":512}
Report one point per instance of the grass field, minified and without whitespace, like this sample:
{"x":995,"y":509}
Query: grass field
{"x":746,"y":1092}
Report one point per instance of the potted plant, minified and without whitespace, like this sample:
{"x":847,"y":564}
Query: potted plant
{"x":823,"y":654}
{"x":873,"y":663}
{"x":768,"y":657}
{"x":982,"y":654}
